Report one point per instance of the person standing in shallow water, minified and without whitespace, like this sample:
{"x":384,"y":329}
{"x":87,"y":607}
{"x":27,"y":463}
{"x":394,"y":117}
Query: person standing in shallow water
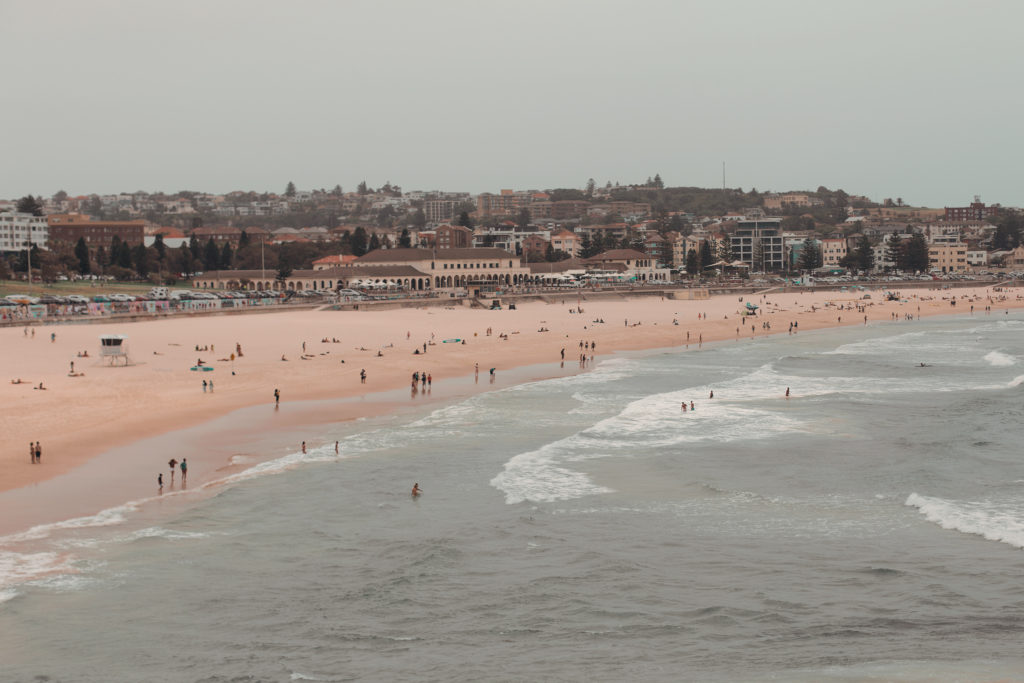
{"x":172,"y":463}
{"x":184,"y":470}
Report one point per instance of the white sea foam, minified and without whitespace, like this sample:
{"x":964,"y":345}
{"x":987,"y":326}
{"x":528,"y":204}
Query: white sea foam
{"x":7,"y":594}
{"x":171,"y":534}
{"x":108,"y":517}
{"x":20,"y":567}
{"x":536,"y":477}
{"x":999,"y":359}
{"x":992,"y":521}
{"x":1016,"y":381}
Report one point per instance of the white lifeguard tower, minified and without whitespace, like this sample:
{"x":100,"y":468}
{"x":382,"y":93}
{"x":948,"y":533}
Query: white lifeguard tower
{"x":113,"y":346}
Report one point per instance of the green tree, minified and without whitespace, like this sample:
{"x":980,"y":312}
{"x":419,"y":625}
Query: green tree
{"x":591,"y":185}
{"x":917,"y":253}
{"x":523,"y":219}
{"x":140,"y":259}
{"x":464,"y":220}
{"x":587,"y":248}
{"x":657,"y":181}
{"x":810,"y":256}
{"x":289,"y":190}
{"x":29,"y":204}
{"x":284,"y":268}
{"x":161,"y":248}
{"x":243,"y":240}
{"x":60,"y":196}
{"x":1008,"y":232}
{"x":226,"y":256}
{"x":359,"y":241}
{"x":896,"y":252}
{"x":82,"y":254}
{"x":362,"y":189}
{"x":706,"y":259}
{"x":405,"y":241}
{"x":211,"y":255}
{"x":183,"y":260}
{"x":193,"y":246}
{"x":374,"y":242}
{"x":865,"y":255}
{"x":725,"y":250}
{"x":693,"y":262}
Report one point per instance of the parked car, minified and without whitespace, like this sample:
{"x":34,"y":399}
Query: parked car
{"x":77,"y":299}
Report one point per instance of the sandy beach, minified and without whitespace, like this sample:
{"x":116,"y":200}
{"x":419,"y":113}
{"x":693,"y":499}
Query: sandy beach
{"x":313,"y":356}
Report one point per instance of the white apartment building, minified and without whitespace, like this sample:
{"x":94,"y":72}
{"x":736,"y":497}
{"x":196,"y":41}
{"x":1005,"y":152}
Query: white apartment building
{"x":18,"y":229}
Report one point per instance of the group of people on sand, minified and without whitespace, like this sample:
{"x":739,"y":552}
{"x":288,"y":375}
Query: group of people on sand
{"x":172,"y":463}
{"x":35,"y":452}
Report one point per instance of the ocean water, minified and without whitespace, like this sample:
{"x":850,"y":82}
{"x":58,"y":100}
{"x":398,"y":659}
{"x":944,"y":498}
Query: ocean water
{"x":868,"y":528}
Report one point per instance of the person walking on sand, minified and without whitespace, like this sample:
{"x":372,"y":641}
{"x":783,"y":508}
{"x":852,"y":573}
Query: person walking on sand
{"x":39,"y":453}
{"x":362,"y":376}
{"x":204,"y":386}
{"x":211,"y":386}
{"x":184,"y":470}
{"x":172,"y":463}
{"x":32,"y":452}
{"x":160,"y":481}
{"x":277,"y":396}
{"x":303,"y":446}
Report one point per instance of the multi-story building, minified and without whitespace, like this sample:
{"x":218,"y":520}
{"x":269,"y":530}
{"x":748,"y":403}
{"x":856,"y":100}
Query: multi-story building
{"x":658,"y":248}
{"x":69,"y":227}
{"x":439,"y":210}
{"x":977,"y":211}
{"x":776,"y":202}
{"x":453,"y":237}
{"x":19,"y":230}
{"x":536,"y":246}
{"x":566,"y":241}
{"x":759,"y":244}
{"x":833,"y":251}
{"x":948,"y":258}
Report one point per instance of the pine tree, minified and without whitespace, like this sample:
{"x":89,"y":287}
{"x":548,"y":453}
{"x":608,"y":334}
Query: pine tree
{"x":865,"y":255}
{"x":405,"y":241}
{"x":289,"y":190}
{"x":917,"y":253}
{"x":161,"y":248}
{"x":705,"y":254}
{"x":692,"y":262}
{"x":374,"y":242}
{"x":82,"y":254}
{"x":895,"y":252}
{"x":358,"y":241}
{"x":810,"y":256}
{"x":211,"y":255}
{"x":226,"y":257}
{"x":140,"y":259}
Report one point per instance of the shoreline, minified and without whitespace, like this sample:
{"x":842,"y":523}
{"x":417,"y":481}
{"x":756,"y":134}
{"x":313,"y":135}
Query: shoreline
{"x":327,"y":392}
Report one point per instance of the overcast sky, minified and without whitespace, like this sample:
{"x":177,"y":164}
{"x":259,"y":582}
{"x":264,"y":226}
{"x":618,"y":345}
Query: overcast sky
{"x":902,"y":98}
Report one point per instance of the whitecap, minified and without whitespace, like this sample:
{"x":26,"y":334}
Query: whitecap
{"x":992,"y":521}
{"x":999,"y":359}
